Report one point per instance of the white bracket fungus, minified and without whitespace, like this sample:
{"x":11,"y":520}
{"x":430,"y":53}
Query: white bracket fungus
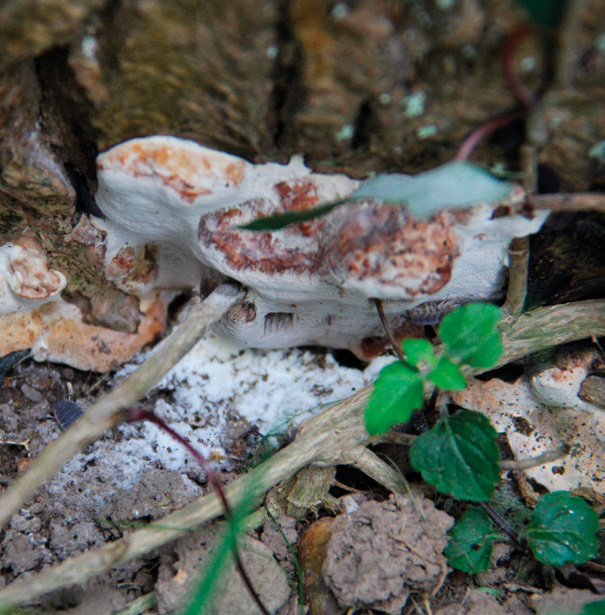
{"x":173,"y":215}
{"x":173,"y":211}
{"x":25,"y":280}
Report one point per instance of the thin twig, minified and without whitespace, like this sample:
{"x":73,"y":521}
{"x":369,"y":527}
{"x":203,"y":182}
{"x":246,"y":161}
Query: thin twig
{"x":106,"y":412}
{"x":567,"y":57}
{"x":384,"y":474}
{"x":572,"y":202}
{"x":387,"y":327}
{"x":533,"y":462}
{"x":139,"y":605}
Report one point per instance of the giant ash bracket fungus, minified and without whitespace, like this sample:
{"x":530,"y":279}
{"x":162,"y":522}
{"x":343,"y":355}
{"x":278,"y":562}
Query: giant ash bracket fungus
{"x":173,"y":216}
{"x":173,"y":212}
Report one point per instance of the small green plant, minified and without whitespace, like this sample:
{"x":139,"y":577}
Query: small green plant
{"x":470,"y":336}
{"x":459,"y":455}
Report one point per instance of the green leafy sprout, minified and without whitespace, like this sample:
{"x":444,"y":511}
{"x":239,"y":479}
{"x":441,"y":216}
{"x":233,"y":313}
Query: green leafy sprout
{"x":459,"y":455}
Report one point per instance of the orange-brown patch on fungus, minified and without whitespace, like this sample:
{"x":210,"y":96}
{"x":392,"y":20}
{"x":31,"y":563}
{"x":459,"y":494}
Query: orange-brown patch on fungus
{"x":267,"y":252}
{"x":133,"y":267}
{"x":121,"y":264}
{"x":383,"y":243}
{"x":178,"y":168}
{"x":297,"y":194}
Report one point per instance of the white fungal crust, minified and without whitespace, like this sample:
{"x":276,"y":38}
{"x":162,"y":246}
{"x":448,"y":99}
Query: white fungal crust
{"x":173,"y":211}
{"x":33,"y":315}
{"x":26,"y":281}
{"x":542,"y":411}
{"x":173,"y":215}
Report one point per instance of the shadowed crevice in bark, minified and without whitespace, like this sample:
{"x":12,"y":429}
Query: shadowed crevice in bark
{"x":288,"y":92}
{"x":64,"y":110}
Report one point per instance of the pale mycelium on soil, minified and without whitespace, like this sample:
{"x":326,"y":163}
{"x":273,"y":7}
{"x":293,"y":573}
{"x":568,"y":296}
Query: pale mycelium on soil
{"x":216,"y":386}
{"x":542,"y":410}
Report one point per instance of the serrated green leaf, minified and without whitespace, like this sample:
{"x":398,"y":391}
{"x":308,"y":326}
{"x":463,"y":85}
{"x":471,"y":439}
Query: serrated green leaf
{"x":471,"y":542}
{"x":563,"y":529}
{"x":459,"y":456}
{"x":397,"y":393}
{"x":417,"y":350}
{"x":447,"y":376}
{"x":450,"y":186}
{"x":470,"y":334}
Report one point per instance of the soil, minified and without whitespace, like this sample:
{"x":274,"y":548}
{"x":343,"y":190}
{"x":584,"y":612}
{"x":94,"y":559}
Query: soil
{"x":379,"y":554}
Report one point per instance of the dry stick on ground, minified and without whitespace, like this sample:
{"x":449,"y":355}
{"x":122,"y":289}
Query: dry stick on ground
{"x":106,"y":412}
{"x":387,"y":327}
{"x":518,"y":256}
{"x":336,"y":436}
{"x":568,"y":202}
{"x":533,"y":462}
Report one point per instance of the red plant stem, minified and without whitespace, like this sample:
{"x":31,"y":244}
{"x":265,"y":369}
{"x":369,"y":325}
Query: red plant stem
{"x":139,"y":414}
{"x":471,"y":142}
{"x":522,"y":93}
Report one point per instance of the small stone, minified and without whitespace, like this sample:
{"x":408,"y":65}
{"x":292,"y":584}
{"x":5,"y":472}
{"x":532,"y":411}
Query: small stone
{"x":32,"y":394}
{"x":312,"y":551}
{"x":383,"y":551}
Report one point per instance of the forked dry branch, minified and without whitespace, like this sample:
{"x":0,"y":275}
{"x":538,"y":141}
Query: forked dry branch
{"x":335,"y":436}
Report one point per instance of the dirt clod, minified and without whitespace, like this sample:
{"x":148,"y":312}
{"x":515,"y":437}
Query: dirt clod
{"x":383,"y":551}
{"x":182,"y":565}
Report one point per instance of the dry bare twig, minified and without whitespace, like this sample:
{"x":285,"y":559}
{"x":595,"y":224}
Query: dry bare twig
{"x":336,"y":436}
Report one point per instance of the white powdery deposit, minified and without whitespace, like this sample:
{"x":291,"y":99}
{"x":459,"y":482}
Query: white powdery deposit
{"x":213,"y":387}
{"x":217,"y":384}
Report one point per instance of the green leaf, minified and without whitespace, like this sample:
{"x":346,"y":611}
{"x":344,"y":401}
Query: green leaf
{"x":417,"y":350}
{"x":278,"y":221}
{"x":470,"y":334}
{"x":459,"y":456}
{"x":553,"y":607}
{"x":471,"y":542}
{"x":453,"y":185}
{"x":397,"y":393}
{"x":447,"y":376}
{"x":563,"y":529}
{"x":545,"y":12}
{"x":594,"y":608}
